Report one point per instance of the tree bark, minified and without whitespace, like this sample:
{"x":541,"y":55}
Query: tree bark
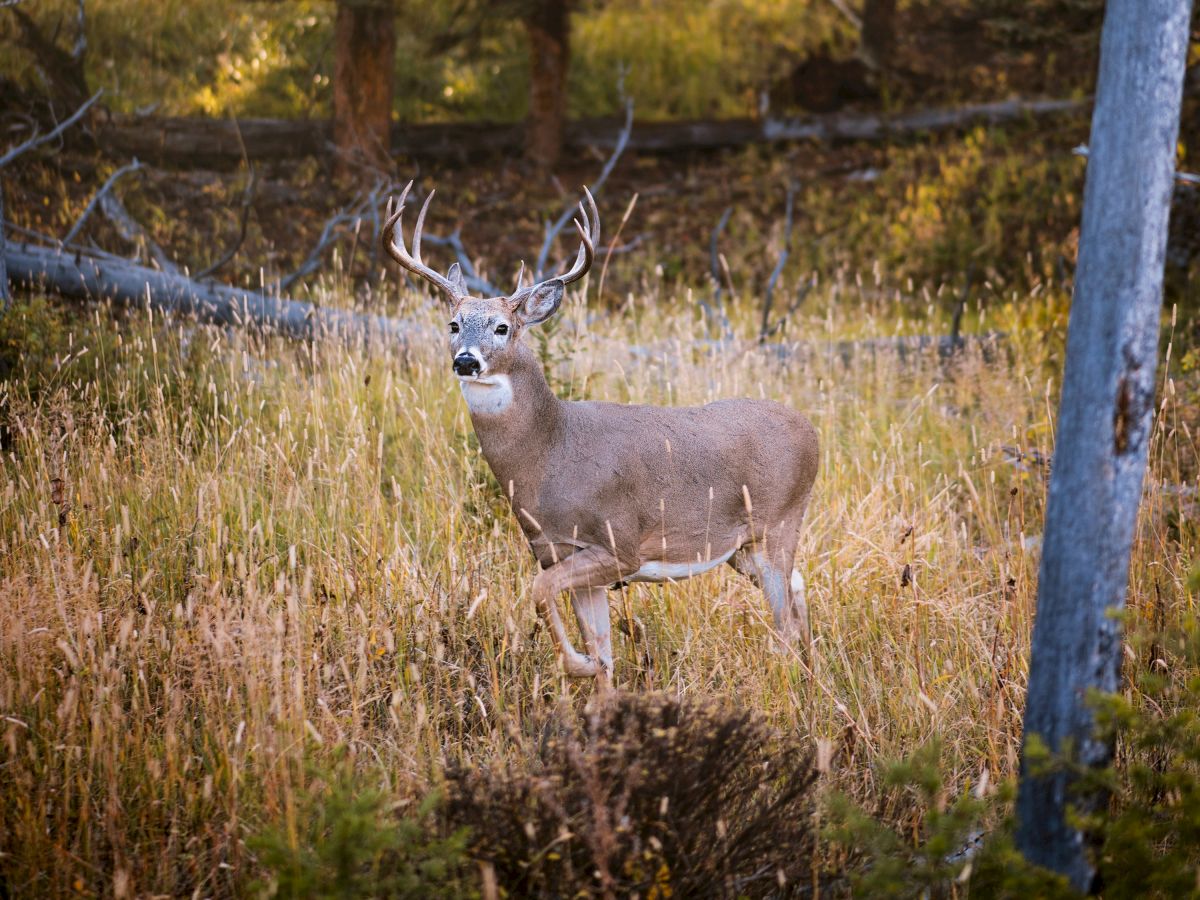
{"x":878,"y":36}
{"x":548,"y":26}
{"x":363,"y":70}
{"x":1104,"y":416}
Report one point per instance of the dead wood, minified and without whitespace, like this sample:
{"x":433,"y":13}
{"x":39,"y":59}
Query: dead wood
{"x":192,"y":142}
{"x":81,"y":277}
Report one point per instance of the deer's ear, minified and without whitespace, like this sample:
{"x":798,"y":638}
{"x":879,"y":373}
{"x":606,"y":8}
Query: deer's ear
{"x":455,"y":276}
{"x":538,"y":303}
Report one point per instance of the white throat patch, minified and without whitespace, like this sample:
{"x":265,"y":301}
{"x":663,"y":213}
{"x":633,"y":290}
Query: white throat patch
{"x":487,"y":395}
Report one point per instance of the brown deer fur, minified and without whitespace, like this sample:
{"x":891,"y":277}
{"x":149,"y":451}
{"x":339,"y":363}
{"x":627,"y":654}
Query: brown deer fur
{"x":609,"y":493}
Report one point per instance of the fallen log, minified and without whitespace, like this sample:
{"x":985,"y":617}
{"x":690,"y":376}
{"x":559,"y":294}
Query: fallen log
{"x":83,"y":277}
{"x":194,"y":142}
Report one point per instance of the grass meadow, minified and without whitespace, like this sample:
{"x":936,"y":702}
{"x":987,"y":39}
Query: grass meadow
{"x":229,"y":564}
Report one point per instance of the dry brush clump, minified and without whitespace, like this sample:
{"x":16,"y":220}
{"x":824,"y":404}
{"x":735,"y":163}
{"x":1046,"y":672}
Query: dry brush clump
{"x":645,"y":795}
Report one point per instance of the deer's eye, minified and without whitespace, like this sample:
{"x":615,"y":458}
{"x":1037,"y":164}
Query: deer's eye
{"x":454,"y":328}
{"x":501,"y":328}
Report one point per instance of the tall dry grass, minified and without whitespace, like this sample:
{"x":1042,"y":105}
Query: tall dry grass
{"x":223,"y":558}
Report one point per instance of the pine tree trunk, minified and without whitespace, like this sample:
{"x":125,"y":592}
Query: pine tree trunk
{"x":364,"y":63}
{"x":878,"y":37}
{"x":1104,"y":416}
{"x":549,"y":30}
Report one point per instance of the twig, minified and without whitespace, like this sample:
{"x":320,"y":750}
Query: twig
{"x":715,"y":310}
{"x":114,"y":210}
{"x":38,"y":140}
{"x":80,"y":47}
{"x":104,"y":189}
{"x":247,"y":205}
{"x":474,"y":280}
{"x":851,"y":16}
{"x":797,"y":301}
{"x":329,"y":233}
{"x":5,"y":296}
{"x":956,"y":341}
{"x":616,"y":237}
{"x":628,"y":247}
{"x":553,"y":230}
{"x":50,"y":240}
{"x":769,"y":296}
{"x":1185,"y":177}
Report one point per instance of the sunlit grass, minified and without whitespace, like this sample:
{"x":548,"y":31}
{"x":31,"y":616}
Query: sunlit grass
{"x":223,"y":558}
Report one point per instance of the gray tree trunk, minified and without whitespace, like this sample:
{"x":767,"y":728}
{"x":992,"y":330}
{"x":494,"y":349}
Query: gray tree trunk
{"x":1105,"y":414}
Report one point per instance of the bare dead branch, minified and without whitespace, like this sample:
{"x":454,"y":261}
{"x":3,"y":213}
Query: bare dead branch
{"x":247,"y":206}
{"x":5,"y":296}
{"x":766,"y":329}
{"x":51,"y":242}
{"x":85,"y":277}
{"x":80,"y":47}
{"x":850,"y":15}
{"x":128,"y":227}
{"x":553,"y":230}
{"x":714,"y":310}
{"x":116,"y":176}
{"x":474,"y":280}
{"x":333,"y":230}
{"x":38,"y":140}
{"x":1185,"y":177}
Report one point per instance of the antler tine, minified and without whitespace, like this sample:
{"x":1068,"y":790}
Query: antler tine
{"x":588,"y":237}
{"x":416,"y":243}
{"x":394,"y":244}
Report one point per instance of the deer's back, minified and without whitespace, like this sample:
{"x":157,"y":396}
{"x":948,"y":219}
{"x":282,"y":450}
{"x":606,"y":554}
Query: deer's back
{"x":676,"y":471}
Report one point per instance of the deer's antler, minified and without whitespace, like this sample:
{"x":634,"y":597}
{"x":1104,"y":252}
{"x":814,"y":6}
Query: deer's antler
{"x":589,"y":236}
{"x":393,"y":242}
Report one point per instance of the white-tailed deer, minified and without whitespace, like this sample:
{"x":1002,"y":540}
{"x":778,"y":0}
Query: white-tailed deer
{"x":608,"y":493}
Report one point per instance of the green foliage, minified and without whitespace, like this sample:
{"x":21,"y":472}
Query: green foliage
{"x":347,"y":841}
{"x":1000,"y":203}
{"x":33,"y":337}
{"x":689,"y":59}
{"x":455,"y":59}
{"x":1152,"y":835}
{"x":897,"y":866}
{"x":1148,"y":835}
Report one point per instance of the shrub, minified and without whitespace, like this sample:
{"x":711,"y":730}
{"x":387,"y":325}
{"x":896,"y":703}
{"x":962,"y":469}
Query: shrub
{"x":648,"y":795}
{"x":1147,"y":836}
{"x":33,"y":334}
{"x":351,"y":844}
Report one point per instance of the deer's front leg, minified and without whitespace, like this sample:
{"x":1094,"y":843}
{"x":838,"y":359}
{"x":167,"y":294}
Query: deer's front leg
{"x":591,"y":609}
{"x":587,"y":573}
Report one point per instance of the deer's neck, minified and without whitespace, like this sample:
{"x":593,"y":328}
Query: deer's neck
{"x":515,"y":418}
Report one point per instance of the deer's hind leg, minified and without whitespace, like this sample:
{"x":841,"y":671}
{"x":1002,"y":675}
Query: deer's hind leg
{"x":586,"y":575}
{"x":770,"y":569}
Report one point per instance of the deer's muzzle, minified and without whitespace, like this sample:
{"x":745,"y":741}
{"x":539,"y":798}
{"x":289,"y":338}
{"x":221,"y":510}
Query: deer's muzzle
{"x":466,"y":365}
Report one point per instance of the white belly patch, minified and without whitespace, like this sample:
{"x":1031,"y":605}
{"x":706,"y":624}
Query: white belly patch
{"x":489,"y":395}
{"x":664,"y":571}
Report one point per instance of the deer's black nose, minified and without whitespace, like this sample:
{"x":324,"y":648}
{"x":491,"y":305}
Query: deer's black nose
{"x":466,"y":364}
